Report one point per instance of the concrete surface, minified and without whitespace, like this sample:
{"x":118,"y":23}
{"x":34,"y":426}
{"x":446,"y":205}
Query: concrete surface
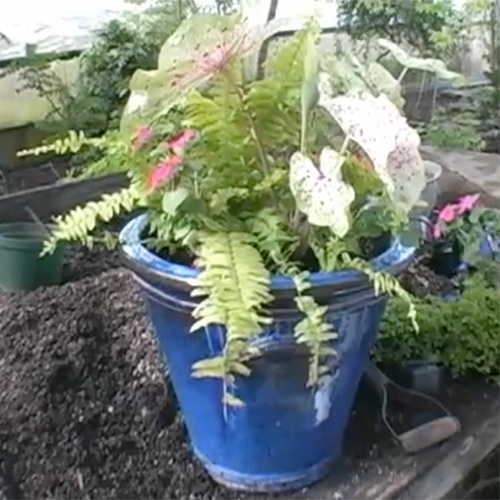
{"x":467,"y":172}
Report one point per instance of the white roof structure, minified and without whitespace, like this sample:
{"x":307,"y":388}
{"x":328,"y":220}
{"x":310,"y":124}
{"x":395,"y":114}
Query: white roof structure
{"x":58,"y":26}
{"x":54,"y":26}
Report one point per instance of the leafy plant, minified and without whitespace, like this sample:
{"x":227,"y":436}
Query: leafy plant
{"x":462,"y":335}
{"x":417,"y":22}
{"x":467,"y":223}
{"x":460,"y":132}
{"x":106,"y":67}
{"x":247,"y":177}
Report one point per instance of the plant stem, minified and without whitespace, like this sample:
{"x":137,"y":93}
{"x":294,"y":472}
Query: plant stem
{"x":402,"y":75}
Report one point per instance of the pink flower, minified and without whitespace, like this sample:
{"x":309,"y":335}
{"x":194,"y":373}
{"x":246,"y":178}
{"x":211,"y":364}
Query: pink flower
{"x":449,"y":213}
{"x":163,"y":171}
{"x":181,"y":140}
{"x":436,"y":232}
{"x":141,"y":137}
{"x":467,"y":203}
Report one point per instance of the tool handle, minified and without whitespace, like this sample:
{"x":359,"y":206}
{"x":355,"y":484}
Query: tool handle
{"x":429,"y":434}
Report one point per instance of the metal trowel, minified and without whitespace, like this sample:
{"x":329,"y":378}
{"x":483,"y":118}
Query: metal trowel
{"x":423,"y":436}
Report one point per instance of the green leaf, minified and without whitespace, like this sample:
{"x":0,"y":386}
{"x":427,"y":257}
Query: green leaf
{"x":240,"y":368}
{"x":210,"y":367}
{"x":231,"y":400}
{"x":434,"y":66}
{"x":310,"y":94}
{"x":172,"y":200}
{"x":409,"y":238}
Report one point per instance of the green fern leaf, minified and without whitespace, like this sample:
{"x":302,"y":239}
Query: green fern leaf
{"x":71,"y":144}
{"x":384,"y":283}
{"x":235,"y":284}
{"x":78,"y":224}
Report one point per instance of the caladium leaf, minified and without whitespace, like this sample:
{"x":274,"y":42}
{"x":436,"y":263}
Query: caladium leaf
{"x":343,"y":75}
{"x":371,"y":122}
{"x":434,"y":66}
{"x":391,"y":145}
{"x":406,"y":168}
{"x":202,"y":46}
{"x":321,"y":194}
{"x":172,"y":200}
{"x":383,"y":82}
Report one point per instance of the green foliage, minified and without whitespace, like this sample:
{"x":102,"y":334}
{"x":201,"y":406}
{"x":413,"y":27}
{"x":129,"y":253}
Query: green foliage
{"x":314,"y":330}
{"x":417,"y":22}
{"x":462,"y":335}
{"x":470,"y":228}
{"x":458,"y":132}
{"x":386,"y":284}
{"x":235,"y":285}
{"x":489,"y":99}
{"x":106,"y":67}
{"x":73,"y":143}
{"x":79,"y":223}
{"x":96,"y":102}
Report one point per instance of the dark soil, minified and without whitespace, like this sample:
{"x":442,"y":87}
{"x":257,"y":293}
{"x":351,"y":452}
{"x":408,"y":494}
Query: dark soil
{"x":33,"y":175}
{"x":82,"y":262}
{"x":421,"y":280}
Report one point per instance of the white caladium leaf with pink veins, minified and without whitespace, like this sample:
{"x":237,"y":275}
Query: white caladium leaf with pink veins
{"x":376,"y":125}
{"x":321,"y":194}
{"x":406,"y":168}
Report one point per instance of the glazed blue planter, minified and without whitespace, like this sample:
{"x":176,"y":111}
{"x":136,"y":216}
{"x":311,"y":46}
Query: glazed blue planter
{"x":287,"y":435}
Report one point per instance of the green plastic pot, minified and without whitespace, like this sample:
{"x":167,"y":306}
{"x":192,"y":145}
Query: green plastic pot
{"x":21,"y":267}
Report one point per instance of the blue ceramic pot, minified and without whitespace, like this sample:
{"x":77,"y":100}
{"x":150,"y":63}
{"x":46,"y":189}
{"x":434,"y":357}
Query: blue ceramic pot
{"x":490,"y":246}
{"x":287,"y":435}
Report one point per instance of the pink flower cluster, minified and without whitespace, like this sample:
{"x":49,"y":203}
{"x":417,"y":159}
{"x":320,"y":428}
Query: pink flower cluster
{"x":452,"y":211}
{"x":174,"y":146}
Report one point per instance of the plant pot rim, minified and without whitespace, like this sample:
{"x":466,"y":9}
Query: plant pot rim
{"x":433,"y":171}
{"x":23,"y":234}
{"x":143,"y":262}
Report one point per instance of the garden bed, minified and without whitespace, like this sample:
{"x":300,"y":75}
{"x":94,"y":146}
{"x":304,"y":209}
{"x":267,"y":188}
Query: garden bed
{"x":33,"y":174}
{"x":86,"y":412}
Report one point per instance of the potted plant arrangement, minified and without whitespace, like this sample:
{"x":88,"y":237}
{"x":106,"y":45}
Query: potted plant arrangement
{"x":274,"y":210}
{"x":462,"y":233}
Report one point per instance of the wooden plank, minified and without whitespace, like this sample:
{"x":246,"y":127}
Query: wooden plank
{"x":442,"y":479}
{"x":48,"y":201}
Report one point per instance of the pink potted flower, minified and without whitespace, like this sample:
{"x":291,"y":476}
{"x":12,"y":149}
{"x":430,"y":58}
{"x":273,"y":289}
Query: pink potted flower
{"x":459,"y":231}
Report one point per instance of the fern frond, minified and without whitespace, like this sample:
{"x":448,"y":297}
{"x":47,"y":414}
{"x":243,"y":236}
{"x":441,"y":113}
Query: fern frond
{"x":384,"y":283}
{"x":79,"y":223}
{"x":235,"y":284}
{"x":71,"y":144}
{"x":227,"y":148}
{"x":314,"y":331}
{"x":272,"y":238}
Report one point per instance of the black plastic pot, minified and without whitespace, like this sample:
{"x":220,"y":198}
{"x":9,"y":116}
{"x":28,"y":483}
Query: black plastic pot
{"x":446,"y":257}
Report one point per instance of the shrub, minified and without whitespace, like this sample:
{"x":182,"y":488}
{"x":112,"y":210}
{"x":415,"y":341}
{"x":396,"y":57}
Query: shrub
{"x":417,"y":22}
{"x":462,"y":335}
